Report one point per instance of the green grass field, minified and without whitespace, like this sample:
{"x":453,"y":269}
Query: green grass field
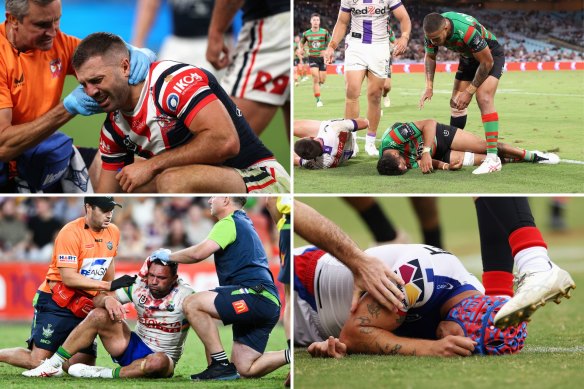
{"x":537,"y":110}
{"x":85,"y":131}
{"x":554,"y":354}
{"x":192,"y":361}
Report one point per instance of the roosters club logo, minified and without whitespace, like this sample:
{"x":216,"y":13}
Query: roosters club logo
{"x":56,"y":67}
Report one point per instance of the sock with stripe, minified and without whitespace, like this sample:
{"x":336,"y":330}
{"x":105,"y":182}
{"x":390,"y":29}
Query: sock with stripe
{"x":287,"y":355}
{"x":528,"y":156}
{"x":491,"y":126}
{"x":529,"y":250}
{"x":370,"y":139}
{"x":59,"y":357}
{"x":317,"y":96}
{"x":219,"y":357}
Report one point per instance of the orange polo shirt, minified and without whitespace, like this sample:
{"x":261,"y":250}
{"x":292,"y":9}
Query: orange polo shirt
{"x":31,"y":82}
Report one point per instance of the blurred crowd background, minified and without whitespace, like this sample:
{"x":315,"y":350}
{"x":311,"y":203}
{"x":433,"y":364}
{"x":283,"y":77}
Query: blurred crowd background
{"x":29,"y":225}
{"x":528,"y":35}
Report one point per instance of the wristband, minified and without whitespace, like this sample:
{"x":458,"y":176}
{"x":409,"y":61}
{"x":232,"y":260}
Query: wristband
{"x":444,"y":166}
{"x":471,"y":89}
{"x":426,"y":150}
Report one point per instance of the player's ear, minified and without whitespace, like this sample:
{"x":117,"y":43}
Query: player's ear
{"x":125,"y":64}
{"x":11,"y":19}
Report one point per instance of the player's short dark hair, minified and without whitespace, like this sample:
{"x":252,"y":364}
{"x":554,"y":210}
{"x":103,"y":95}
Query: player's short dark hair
{"x":239,"y":200}
{"x":97,"y":44}
{"x":433,"y":22}
{"x":307,"y":148}
{"x":388,"y":165}
{"x":315,"y":14}
{"x":172,"y":265}
{"x":19,"y":8}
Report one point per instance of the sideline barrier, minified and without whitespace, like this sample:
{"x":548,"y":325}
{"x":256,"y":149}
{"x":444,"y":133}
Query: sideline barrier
{"x":453,"y":67}
{"x":19,"y":282}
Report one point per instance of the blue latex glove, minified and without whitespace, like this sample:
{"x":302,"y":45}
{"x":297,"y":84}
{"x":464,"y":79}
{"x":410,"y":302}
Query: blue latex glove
{"x":79,"y":103}
{"x":140,"y":60}
{"x":162,"y":255}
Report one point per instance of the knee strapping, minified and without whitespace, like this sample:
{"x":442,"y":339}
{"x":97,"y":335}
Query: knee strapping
{"x":456,"y":113}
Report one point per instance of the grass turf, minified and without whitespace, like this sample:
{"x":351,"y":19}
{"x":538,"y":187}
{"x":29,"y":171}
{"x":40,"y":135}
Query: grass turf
{"x":537,"y":110}
{"x":192,"y":361}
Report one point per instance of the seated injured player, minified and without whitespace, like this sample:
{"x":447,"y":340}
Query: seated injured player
{"x":445,"y":310}
{"x":325,"y":144}
{"x":430,"y":145}
{"x":188,"y":133}
{"x":157,"y":343}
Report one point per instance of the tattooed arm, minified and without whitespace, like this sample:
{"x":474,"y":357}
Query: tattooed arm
{"x":369,"y":331}
{"x":430,"y":70}
{"x":485,"y":59}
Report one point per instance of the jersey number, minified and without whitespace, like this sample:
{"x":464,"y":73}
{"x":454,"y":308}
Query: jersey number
{"x":278,"y":86}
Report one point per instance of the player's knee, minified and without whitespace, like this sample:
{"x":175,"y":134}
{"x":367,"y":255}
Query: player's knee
{"x":374,"y":96}
{"x":98,"y":317}
{"x":157,"y":364}
{"x":191,"y":304}
{"x":169,"y":181}
{"x":484,"y":99}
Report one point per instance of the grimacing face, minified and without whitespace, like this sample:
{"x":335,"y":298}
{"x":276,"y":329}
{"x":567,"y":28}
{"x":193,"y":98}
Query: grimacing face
{"x":160,"y":280}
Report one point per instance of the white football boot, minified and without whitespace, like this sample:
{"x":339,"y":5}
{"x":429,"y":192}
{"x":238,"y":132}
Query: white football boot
{"x":490,"y":164}
{"x":45,"y":369}
{"x":546,"y":158}
{"x":85,"y":371}
{"x":533,"y":291}
{"x":371,"y":149}
{"x":319,"y":104}
{"x":386,"y":101}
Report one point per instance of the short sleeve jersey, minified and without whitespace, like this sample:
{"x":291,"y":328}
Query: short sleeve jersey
{"x":31,"y":82}
{"x":172,"y":96}
{"x":407,"y":139}
{"x":317,"y":41}
{"x":242,"y":259}
{"x":468,"y":35}
{"x":337,"y":136}
{"x":369,"y":18}
{"x":162,"y":324}
{"x":78,"y":247}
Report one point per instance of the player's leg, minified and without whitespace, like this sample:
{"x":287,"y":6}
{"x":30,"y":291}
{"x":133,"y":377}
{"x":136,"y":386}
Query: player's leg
{"x":315,"y":73}
{"x":427,"y":211}
{"x":353,"y":81}
{"x":157,"y":365}
{"x":374,"y":91}
{"x":485,"y":97}
{"x":22,"y":357}
{"x":458,"y":116}
{"x":200,"y":179}
{"x":386,"y":90}
{"x":375,"y":218}
{"x":251,"y":363}
{"x":322,"y":73}
{"x":540,"y":280}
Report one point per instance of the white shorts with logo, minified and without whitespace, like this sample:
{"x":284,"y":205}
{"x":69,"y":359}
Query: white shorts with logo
{"x":260,"y":68}
{"x":266,"y":176}
{"x":372,"y":57}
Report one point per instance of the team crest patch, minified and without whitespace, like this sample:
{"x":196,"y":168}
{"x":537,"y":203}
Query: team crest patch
{"x":172,"y":102}
{"x":110,"y":245}
{"x":48,"y":332}
{"x":56,"y":67}
{"x":142,"y":300}
{"x":240,"y":306}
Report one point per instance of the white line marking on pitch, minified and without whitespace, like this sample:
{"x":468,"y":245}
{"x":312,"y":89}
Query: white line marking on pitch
{"x":543,"y":349}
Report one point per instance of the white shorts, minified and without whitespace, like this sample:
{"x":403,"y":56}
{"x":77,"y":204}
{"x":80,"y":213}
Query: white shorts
{"x":266,"y":176}
{"x":372,"y":57}
{"x":188,"y":50}
{"x":260,"y":68}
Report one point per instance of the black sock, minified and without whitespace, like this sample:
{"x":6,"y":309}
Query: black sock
{"x":458,"y":122}
{"x":219,"y":357}
{"x":379,"y":225}
{"x":288,"y":342}
{"x":287,"y":355}
{"x":433,"y":237}
{"x":495,"y":250}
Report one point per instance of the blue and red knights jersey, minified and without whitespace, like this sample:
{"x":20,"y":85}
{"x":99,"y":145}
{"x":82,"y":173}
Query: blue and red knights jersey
{"x":172,"y":96}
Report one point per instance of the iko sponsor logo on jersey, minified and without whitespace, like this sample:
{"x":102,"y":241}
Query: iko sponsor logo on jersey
{"x":184,"y":82}
{"x":95,"y":269}
{"x":369,"y":10}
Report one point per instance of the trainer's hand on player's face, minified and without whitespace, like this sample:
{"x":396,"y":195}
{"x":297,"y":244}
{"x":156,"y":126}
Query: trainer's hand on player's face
{"x":400,"y":46}
{"x":135,"y":175}
{"x":79,"y":103}
{"x":426,"y":96}
{"x":426,"y":163}
{"x":330,"y":348}
{"x":453,"y":345}
{"x":374,"y":277}
{"x":140,"y":60}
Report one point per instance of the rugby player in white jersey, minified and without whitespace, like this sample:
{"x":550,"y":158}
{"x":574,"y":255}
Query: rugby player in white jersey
{"x":152,"y":350}
{"x":367,"y":54}
{"x":325,"y":144}
{"x":191,"y":136}
{"x":445,"y":311}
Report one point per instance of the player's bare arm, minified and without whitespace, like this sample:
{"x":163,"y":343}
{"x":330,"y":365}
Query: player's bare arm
{"x":147,"y":10}
{"x":339,"y":31}
{"x":215,"y":141}
{"x":369,"y":272}
{"x":72,"y":279}
{"x":428,"y":128}
{"x":15,"y":139}
{"x":405,"y":24}
{"x":223,"y":13}
{"x":195,"y":253}
{"x":429,"y":71}
{"x":111,"y":304}
{"x":485,"y":59}
{"x":107,"y":182}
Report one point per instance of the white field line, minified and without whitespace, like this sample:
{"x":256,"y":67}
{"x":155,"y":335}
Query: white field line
{"x":543,"y":349}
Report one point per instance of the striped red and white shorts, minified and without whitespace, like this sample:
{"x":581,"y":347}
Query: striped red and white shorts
{"x":266,"y":176}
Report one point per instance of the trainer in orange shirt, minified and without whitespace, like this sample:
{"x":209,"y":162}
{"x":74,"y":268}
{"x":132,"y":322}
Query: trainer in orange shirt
{"x":82,"y":266}
{"x":35,"y":58}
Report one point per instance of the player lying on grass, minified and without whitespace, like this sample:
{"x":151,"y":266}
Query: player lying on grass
{"x":325,"y":144}
{"x":190,"y":135}
{"x":445,"y":311}
{"x":155,"y":346}
{"x":430,"y":145}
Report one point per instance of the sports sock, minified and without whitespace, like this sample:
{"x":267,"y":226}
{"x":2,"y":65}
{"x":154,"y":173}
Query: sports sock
{"x":528,"y":156}
{"x":59,"y":357}
{"x":220,"y":357}
{"x":529,"y":250}
{"x":287,"y":355}
{"x":111,"y":373}
{"x":317,"y":96}
{"x":491,"y":126}
{"x":378,"y":223}
{"x":370,"y":139}
{"x":458,"y":122}
{"x":498,"y":283}
{"x":433,"y":236}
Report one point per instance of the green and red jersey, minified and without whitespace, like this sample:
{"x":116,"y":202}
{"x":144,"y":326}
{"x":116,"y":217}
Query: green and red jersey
{"x":407,"y":139}
{"x":317,"y":41}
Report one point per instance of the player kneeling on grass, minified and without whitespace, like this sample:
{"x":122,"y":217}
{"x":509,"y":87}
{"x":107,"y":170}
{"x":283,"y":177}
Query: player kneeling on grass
{"x":430,"y":145}
{"x":325,"y":144}
{"x":155,"y":346}
{"x":445,"y":311}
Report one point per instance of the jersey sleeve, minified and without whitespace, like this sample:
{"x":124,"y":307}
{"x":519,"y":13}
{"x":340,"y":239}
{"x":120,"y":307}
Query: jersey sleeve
{"x":5,"y":97}
{"x":70,"y":43}
{"x":223,"y":232}
{"x":429,"y":47}
{"x":346,"y":5}
{"x":114,"y":155}
{"x":474,"y":40}
{"x":184,"y":93}
{"x":67,"y":248}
